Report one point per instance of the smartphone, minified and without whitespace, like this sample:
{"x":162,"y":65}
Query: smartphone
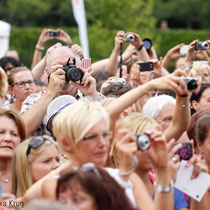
{"x":148,"y":66}
{"x":186,"y":151}
{"x":184,"y":49}
{"x":53,"y":33}
{"x":87,"y":64}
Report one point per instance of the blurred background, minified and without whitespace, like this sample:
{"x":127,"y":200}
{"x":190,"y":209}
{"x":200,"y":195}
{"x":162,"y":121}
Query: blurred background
{"x":166,"y":22}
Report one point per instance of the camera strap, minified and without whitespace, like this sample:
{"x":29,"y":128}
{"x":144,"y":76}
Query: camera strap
{"x":121,"y":62}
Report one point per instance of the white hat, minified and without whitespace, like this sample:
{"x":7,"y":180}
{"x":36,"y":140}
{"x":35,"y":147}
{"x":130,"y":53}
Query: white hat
{"x":55,"y":106}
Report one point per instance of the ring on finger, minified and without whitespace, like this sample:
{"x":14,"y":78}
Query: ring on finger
{"x":174,"y":159}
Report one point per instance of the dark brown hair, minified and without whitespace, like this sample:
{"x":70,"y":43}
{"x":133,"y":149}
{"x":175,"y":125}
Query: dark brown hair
{"x":107,"y":193}
{"x":191,"y":132}
{"x":17,"y":119}
{"x":202,"y":128}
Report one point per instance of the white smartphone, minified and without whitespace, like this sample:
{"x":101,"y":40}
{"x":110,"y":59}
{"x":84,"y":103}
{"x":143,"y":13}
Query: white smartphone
{"x":183,"y":49}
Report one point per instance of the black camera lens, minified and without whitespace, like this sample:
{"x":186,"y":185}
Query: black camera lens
{"x":73,"y":74}
{"x":147,"y":43}
{"x":192,"y":84}
{"x":143,"y":142}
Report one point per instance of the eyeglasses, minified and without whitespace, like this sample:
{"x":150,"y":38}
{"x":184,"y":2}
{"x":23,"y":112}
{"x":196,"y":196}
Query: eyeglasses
{"x":88,"y":167}
{"x":95,"y":137}
{"x":37,"y":141}
{"x":23,"y":83}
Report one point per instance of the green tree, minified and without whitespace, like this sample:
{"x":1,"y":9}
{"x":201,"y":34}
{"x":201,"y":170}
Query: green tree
{"x":121,"y":14}
{"x":23,"y":12}
{"x":187,"y":14}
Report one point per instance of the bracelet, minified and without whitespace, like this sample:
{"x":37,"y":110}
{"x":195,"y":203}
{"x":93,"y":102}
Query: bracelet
{"x":166,"y":189}
{"x":133,"y":169}
{"x":39,"y":48}
{"x":115,"y":51}
{"x":140,"y":47}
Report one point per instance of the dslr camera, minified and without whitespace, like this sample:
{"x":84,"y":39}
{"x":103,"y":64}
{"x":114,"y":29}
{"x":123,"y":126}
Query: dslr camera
{"x":201,"y":45}
{"x":129,"y":37}
{"x":190,"y":82}
{"x":72,"y":72}
{"x":143,"y":141}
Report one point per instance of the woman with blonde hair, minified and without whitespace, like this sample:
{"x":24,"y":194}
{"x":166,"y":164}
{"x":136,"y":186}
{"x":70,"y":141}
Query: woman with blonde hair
{"x":138,"y":124}
{"x":33,"y":159}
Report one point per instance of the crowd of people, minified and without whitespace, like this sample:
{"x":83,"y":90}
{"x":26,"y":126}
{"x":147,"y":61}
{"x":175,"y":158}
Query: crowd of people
{"x":107,"y":137}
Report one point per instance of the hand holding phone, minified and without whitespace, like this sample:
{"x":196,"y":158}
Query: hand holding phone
{"x":54,"y":33}
{"x":186,"y":151}
{"x":147,"y":66}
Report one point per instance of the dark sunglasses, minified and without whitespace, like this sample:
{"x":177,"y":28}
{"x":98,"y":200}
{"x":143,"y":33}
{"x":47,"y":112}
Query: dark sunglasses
{"x":36,"y":142}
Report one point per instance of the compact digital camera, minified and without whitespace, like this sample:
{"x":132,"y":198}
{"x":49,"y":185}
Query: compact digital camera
{"x":190,"y":82}
{"x":129,"y":37}
{"x":201,"y":45}
{"x":143,"y":141}
{"x":71,"y":71}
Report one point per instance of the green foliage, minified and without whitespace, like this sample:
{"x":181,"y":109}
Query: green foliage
{"x":26,"y":11}
{"x":121,"y":14}
{"x":190,"y":13}
{"x":101,"y":40}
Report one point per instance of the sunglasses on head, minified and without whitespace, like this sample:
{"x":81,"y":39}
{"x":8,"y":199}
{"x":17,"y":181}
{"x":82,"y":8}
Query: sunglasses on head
{"x":36,"y":142}
{"x":88,"y":167}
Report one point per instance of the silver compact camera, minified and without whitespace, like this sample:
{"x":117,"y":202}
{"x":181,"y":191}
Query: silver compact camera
{"x":201,"y":45}
{"x":129,"y":37}
{"x":190,"y":82}
{"x":143,"y":141}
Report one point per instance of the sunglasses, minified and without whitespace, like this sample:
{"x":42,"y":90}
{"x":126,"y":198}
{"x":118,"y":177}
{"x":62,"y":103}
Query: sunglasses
{"x":118,"y":88}
{"x":88,"y":167}
{"x":37,"y":141}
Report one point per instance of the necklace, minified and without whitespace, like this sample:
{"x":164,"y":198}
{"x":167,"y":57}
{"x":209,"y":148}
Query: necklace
{"x":5,"y":180}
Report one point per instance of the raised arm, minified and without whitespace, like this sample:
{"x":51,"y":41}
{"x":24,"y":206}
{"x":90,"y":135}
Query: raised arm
{"x":39,"y":48}
{"x":33,"y":117}
{"x":120,"y":104}
{"x":113,"y":63}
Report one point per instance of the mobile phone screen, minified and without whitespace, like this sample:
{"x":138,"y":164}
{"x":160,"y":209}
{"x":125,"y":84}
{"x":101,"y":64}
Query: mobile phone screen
{"x":148,"y":66}
{"x":185,"y":152}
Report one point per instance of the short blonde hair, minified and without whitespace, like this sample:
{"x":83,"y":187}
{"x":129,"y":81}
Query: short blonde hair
{"x":199,"y":66}
{"x":21,"y":176}
{"x":74,"y":121}
{"x":135,"y":122}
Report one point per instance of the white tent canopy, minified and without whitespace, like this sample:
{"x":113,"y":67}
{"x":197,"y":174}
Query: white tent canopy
{"x":4,"y":37}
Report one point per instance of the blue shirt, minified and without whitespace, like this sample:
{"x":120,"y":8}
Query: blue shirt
{"x":179,"y":199}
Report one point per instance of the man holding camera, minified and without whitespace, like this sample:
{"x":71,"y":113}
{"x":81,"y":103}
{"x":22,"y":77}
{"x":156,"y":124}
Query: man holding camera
{"x":34,"y":107}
